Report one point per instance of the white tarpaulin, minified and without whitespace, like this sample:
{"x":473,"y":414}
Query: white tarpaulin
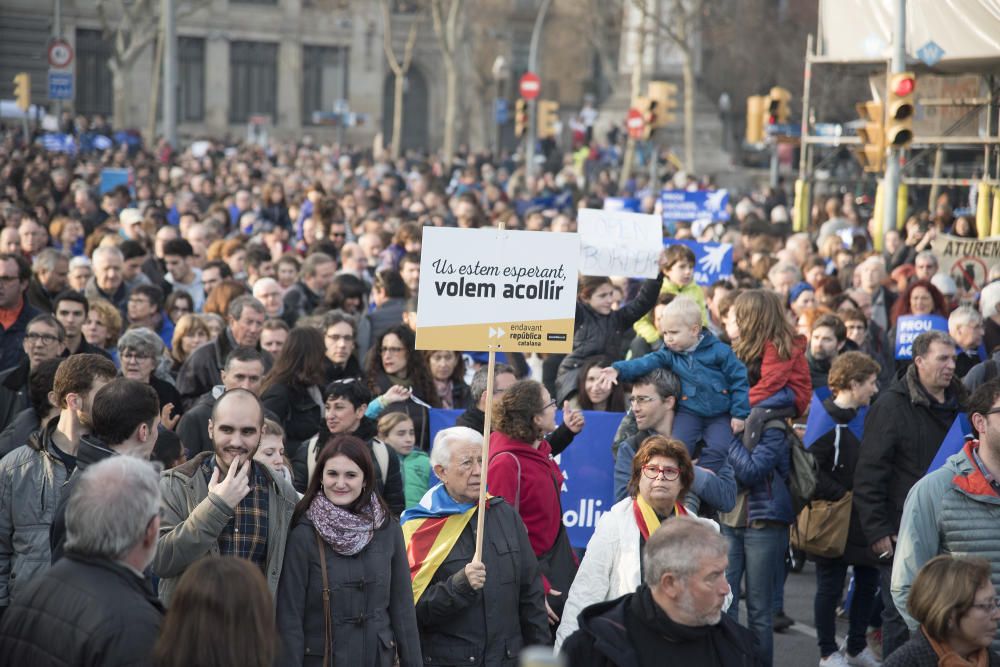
{"x":967,"y":32}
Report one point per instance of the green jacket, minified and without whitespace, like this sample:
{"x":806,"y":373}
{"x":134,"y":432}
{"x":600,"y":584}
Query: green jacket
{"x":416,"y":467}
{"x":192,"y":520}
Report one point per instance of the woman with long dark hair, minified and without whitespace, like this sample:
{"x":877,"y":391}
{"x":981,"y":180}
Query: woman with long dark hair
{"x":291,"y":390}
{"x":397,"y":374}
{"x":591,"y":394}
{"x":343,"y":539}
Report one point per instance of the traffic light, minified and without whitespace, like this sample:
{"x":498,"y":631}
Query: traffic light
{"x":548,"y":118}
{"x":756,"y":122}
{"x":22,"y":90}
{"x":520,"y":117}
{"x":664,"y":94}
{"x":871,"y":154}
{"x":900,"y":110}
{"x":778,"y":110}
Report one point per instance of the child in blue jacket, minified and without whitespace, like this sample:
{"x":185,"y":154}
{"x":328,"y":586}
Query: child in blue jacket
{"x":714,"y":389}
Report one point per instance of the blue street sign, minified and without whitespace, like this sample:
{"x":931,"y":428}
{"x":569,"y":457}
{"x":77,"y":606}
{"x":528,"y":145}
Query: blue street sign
{"x":501,"y":111}
{"x":930,"y":53}
{"x":785,"y":130}
{"x":60,"y":85}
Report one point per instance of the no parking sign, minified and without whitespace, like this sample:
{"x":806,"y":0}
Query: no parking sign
{"x":967,"y":261}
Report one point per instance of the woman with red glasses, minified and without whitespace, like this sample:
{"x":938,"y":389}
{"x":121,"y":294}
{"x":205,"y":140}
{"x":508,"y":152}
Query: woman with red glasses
{"x":662,"y":474}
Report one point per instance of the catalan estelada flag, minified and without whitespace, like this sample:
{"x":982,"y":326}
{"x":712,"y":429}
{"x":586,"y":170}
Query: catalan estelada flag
{"x":431,"y":530}
{"x":646,"y":518}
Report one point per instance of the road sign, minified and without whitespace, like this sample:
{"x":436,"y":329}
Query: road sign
{"x":60,"y":85}
{"x":636,"y":124}
{"x":60,"y":53}
{"x":530,"y":86}
{"x":931,"y":53}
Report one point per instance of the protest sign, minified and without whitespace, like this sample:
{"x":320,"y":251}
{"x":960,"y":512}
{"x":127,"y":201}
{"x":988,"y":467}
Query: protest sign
{"x":622,"y":204}
{"x":494,"y":289}
{"x":111,"y":178}
{"x":967,"y":261}
{"x":712,"y":261}
{"x":908,"y":327}
{"x":588,"y":470}
{"x":684,"y":206}
{"x":619,"y":243}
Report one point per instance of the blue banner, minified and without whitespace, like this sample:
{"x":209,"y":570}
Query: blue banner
{"x":57,"y":142}
{"x":111,"y":178}
{"x":588,"y":489}
{"x":908,"y":327}
{"x":633,"y":204}
{"x":820,"y":422}
{"x":712,"y":261}
{"x":953,"y":441}
{"x":684,"y":206}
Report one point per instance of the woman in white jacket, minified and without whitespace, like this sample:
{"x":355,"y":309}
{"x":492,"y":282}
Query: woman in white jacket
{"x":662,"y":473}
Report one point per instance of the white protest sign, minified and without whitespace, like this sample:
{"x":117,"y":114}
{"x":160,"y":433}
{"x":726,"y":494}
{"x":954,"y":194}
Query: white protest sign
{"x":968,"y":261}
{"x":616,"y":243}
{"x":483,"y":289}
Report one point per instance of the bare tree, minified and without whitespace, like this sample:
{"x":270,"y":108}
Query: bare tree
{"x":680,"y":28}
{"x":635,"y":89}
{"x":446,"y":16}
{"x":399,"y":70}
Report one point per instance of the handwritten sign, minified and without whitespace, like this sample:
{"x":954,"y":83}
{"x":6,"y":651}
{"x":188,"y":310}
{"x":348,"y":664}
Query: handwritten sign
{"x":616,"y":243}
{"x":908,"y":327}
{"x":491,"y":289}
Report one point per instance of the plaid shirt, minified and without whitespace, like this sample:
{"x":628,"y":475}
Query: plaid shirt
{"x":245,"y":536}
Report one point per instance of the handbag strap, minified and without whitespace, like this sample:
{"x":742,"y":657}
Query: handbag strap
{"x":326,"y":601}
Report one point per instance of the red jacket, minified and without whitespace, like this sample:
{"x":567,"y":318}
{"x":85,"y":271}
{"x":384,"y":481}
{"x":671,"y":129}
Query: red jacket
{"x":776,"y":373}
{"x":540,"y":481}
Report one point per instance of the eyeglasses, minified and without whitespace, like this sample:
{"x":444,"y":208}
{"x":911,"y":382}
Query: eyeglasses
{"x":7,"y":280}
{"x":336,"y":338}
{"x":989,"y":607}
{"x":133,"y":354}
{"x":669,"y":473}
{"x":640,"y":400}
{"x":48,"y":339}
{"x":393,"y":350}
{"x":991,"y":411}
{"x":548,"y":405}
{"x":145,"y":302}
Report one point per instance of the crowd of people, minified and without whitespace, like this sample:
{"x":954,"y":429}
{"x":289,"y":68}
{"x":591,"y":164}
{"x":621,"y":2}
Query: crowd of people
{"x":210,"y":375}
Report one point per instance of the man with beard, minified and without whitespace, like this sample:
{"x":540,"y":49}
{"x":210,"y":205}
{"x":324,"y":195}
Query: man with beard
{"x":33,"y":475}
{"x":240,"y":508}
{"x":827,"y":339}
{"x":676,"y":612}
{"x":953,"y":509}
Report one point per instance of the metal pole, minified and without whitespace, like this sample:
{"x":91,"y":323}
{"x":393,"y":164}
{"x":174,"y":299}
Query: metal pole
{"x":536,"y":34}
{"x":57,"y":31}
{"x":892,"y":164}
{"x":774,"y":164}
{"x":170,"y":72}
{"x":938,"y":165}
{"x":806,"y":88}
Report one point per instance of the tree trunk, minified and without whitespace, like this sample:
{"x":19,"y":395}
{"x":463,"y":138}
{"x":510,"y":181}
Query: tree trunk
{"x":450,"y":104}
{"x":635,"y":90}
{"x":154,"y":94}
{"x":690,"y":93}
{"x":119,"y":107}
{"x":399,"y":82}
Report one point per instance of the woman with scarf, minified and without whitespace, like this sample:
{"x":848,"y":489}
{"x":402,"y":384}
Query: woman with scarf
{"x":344,"y":540}
{"x":471,"y":612}
{"x":662,"y":475}
{"x":523,"y":472}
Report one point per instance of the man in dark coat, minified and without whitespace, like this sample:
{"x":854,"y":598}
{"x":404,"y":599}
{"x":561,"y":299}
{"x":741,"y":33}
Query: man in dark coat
{"x":203,"y":369}
{"x":827,"y":339}
{"x":904,"y":431}
{"x":44,"y":339}
{"x":677,"y":612}
{"x":302,"y":298}
{"x":50,"y":273}
{"x":15,"y":310}
{"x":473,"y":613}
{"x":104,"y":609}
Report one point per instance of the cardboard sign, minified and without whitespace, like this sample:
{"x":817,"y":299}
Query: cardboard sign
{"x":588,"y":470}
{"x":908,"y":327}
{"x":968,"y":261}
{"x":510,"y":291}
{"x":616,"y":243}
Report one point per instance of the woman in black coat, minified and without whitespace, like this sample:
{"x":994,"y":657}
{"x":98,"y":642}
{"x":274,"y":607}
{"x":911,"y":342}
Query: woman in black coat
{"x":598,"y":330}
{"x":368,"y":620}
{"x":291,"y":390}
{"x":853,"y":380}
{"x":340,"y":339}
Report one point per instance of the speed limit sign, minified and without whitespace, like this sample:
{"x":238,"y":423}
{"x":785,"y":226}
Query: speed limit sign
{"x":60,"y":54}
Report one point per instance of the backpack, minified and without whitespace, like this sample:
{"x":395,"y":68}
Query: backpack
{"x":803,"y":471}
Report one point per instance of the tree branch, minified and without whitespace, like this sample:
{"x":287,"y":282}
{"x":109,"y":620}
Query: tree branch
{"x":390,"y":55}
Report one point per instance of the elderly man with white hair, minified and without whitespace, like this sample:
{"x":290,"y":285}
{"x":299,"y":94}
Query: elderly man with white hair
{"x":965,"y":325}
{"x":269,"y":293}
{"x":871,"y":274}
{"x":471,"y":611}
{"x":989,"y":308}
{"x":109,"y":277}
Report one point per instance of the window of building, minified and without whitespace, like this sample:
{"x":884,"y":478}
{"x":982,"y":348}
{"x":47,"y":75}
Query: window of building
{"x":94,"y":93}
{"x":253,"y":80}
{"x":324,"y":79}
{"x":191,"y":71}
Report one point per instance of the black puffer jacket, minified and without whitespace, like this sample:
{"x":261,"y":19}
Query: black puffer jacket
{"x":297,"y":411}
{"x":903,"y":432}
{"x":457,"y":625}
{"x":203,"y":369}
{"x":82,"y":611}
{"x":837,"y":457}
{"x":595,"y":334}
{"x":371,"y":604}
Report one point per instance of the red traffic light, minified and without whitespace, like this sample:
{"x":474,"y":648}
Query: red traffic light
{"x":904,"y":86}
